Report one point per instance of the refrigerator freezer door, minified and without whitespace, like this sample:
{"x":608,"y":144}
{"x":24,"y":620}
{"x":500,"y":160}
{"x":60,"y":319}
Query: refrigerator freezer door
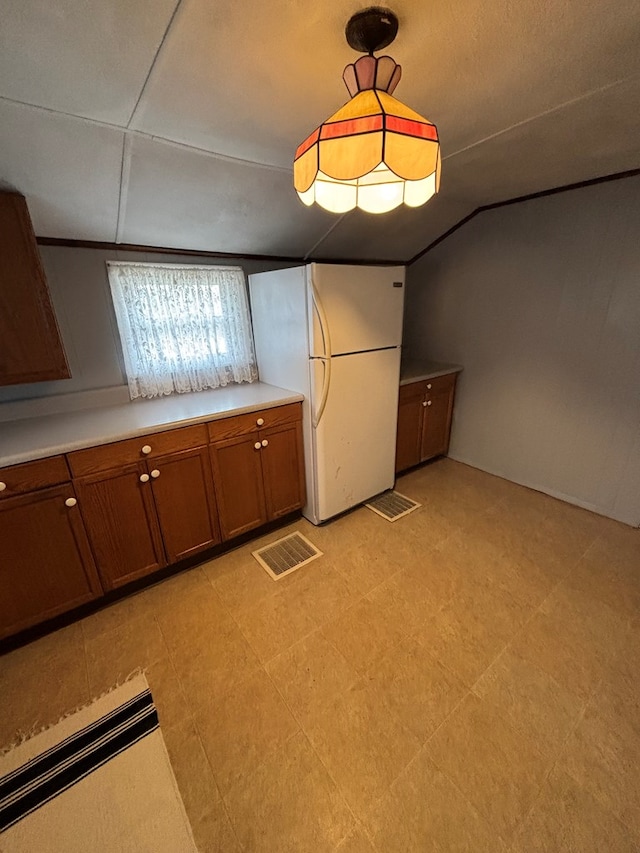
{"x":354,"y":308}
{"x":355,"y":439}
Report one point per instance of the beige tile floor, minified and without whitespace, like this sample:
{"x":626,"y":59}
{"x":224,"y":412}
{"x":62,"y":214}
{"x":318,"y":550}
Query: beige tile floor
{"x":465,"y":679}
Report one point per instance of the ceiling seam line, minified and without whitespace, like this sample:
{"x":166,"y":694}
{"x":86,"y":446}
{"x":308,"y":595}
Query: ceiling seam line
{"x":216,"y":155}
{"x":324,"y":237}
{"x":144,"y":135}
{"x":544,"y":113}
{"x":125,"y":171}
{"x":154,"y":60}
{"x":84,"y":119}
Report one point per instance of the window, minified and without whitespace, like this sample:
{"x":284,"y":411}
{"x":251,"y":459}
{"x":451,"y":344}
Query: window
{"x":183,"y":328}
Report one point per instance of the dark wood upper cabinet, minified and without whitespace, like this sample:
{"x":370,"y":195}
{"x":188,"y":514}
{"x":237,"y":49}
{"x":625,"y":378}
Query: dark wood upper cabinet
{"x":30,"y":346}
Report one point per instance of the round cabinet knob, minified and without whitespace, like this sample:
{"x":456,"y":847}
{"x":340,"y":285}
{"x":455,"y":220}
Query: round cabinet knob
{"x":424,"y":402}
{"x":428,"y":402}
{"x":265,"y":442}
{"x":257,"y":445}
{"x":429,"y":386}
{"x":155,"y":473}
{"x":146,"y":449}
{"x":144,"y":478}
{"x":3,"y":486}
{"x":260,"y":421}
{"x":70,"y":502}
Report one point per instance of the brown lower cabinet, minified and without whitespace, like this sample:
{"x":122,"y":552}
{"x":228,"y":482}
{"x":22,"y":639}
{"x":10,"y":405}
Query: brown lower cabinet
{"x":47,"y":566}
{"x":259,"y":475}
{"x":134,"y":506}
{"x":122,"y":524}
{"x":424,"y":420}
{"x":147,"y":502}
{"x":185,"y":501}
{"x":237,"y":470}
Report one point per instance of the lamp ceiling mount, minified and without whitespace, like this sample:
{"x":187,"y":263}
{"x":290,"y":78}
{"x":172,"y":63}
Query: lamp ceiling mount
{"x":371,"y":29}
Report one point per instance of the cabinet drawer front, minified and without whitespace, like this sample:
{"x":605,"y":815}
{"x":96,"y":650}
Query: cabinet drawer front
{"x":441,"y":384}
{"x":33,"y":475}
{"x":245,"y":424}
{"x":108,"y":456}
{"x":175,"y":440}
{"x":412,"y":391}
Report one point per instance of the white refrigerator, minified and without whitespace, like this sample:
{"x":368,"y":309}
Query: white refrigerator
{"x":333,"y":333}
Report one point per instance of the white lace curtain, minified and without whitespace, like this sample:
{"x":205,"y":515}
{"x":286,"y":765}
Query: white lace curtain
{"x":183,"y":328}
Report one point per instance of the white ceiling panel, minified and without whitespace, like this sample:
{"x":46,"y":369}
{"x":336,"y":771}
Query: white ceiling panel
{"x":476,"y":68}
{"x":182,"y":197}
{"x":252,"y":80}
{"x":591,"y":138}
{"x":85,"y":57}
{"x":245,"y":79}
{"x":68,"y":169}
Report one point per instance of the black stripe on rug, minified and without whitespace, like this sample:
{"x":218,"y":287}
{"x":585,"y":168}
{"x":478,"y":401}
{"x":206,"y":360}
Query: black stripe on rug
{"x":81,"y":733}
{"x":55,"y":771}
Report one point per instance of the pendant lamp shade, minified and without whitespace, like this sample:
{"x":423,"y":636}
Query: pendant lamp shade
{"x":374,"y":153}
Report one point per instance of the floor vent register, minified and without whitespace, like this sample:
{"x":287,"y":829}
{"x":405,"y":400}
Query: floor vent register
{"x":284,"y":556}
{"x":392,"y":505}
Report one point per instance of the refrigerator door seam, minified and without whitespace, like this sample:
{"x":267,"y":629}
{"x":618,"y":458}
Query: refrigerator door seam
{"x":361,"y":351}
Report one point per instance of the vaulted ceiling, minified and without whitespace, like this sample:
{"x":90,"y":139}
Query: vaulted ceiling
{"x":174,"y":122}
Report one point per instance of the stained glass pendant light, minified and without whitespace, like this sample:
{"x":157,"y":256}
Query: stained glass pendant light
{"x":374,"y":153}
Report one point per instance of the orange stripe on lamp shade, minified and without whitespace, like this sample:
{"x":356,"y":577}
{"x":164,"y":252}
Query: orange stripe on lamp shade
{"x":409,"y":127}
{"x":351,"y":127}
{"x":368,"y":124}
{"x":306,"y":145}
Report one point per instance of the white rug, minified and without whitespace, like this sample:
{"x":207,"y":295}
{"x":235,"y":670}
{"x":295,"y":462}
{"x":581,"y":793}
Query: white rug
{"x":99,"y":780}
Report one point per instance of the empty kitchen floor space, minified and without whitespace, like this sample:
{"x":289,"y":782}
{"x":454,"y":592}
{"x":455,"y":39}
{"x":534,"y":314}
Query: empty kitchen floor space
{"x":464,"y":679}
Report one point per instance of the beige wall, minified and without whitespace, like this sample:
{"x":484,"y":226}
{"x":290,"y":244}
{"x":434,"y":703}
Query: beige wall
{"x":540,"y":301}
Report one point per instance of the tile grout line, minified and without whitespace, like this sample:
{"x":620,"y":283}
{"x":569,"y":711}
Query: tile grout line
{"x":319,"y":759}
{"x":444,"y":772}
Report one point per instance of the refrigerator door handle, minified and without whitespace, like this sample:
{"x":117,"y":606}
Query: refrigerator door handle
{"x":322,"y":319}
{"x":326,"y":382}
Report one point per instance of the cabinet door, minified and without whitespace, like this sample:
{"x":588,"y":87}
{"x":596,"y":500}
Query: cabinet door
{"x":282,"y":469}
{"x":30,"y":345}
{"x":410,"y":413}
{"x":120,"y":518}
{"x":237,"y":474}
{"x":185,"y":502}
{"x":437,"y":419}
{"x":47,"y":567}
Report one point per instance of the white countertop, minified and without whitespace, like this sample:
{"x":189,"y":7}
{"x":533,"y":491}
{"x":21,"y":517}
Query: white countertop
{"x":47,"y":435}
{"x":418,"y":370}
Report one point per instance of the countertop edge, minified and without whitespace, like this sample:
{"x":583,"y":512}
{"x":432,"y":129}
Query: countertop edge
{"x":58,"y":449}
{"x":431,"y":374}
